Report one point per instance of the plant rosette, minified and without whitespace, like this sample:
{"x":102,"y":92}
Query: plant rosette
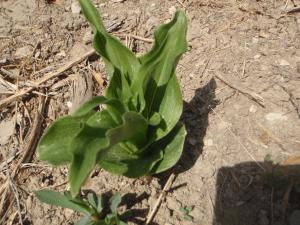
{"x":138,"y":132}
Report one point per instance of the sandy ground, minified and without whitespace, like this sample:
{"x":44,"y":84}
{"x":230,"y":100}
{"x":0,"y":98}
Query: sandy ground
{"x":240,"y":80}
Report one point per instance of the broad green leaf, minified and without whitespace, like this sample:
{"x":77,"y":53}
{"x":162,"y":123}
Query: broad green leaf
{"x":84,"y":148}
{"x":172,"y":99}
{"x":89,"y":143}
{"x":119,"y":88}
{"x":172,"y":146}
{"x":102,"y":119}
{"x":133,"y":129}
{"x":155,"y":119}
{"x":159,"y":64}
{"x":119,"y":160}
{"x":90,"y":105}
{"x":55,"y":143}
{"x":114,"y":107}
{"x":120,"y":60}
{"x":115,"y":201}
{"x":58,"y":199}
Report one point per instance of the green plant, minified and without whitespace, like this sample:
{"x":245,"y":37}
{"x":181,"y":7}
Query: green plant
{"x":91,"y":206}
{"x":186,"y":210}
{"x":138,"y":132}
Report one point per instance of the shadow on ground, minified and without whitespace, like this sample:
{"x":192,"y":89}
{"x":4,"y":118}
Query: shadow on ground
{"x":248,"y":195}
{"x":129,"y":201}
{"x":195,"y":117}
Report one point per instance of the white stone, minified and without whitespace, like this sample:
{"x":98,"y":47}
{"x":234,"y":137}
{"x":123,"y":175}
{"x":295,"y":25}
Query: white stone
{"x":257,"y":56}
{"x":252,"y":109}
{"x":284,"y":63}
{"x":69,"y":104}
{"x":172,"y":10}
{"x":208,"y":142}
{"x":61,"y":54}
{"x":75,"y":8}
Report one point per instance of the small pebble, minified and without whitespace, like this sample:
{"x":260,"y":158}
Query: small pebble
{"x":253,"y":109}
{"x":61,"y":54}
{"x":284,"y":63}
{"x":257,"y":56}
{"x":263,"y":34}
{"x":75,"y":8}
{"x":208,"y":142}
{"x":172,"y":10}
{"x":37,"y":54}
{"x":3,"y":61}
{"x":69,"y":104}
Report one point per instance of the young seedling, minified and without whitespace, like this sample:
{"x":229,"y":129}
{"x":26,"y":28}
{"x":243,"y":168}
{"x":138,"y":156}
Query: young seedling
{"x":186,"y":210}
{"x":138,"y":132}
{"x":91,"y":206}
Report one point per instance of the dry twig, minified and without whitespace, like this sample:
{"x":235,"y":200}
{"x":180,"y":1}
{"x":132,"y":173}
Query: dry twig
{"x":294,"y":10}
{"x":159,"y":200}
{"x":28,"y":151}
{"x":10,"y":74}
{"x":45,"y":78}
{"x":250,"y":94}
{"x":149,"y":40}
{"x":8,"y":85}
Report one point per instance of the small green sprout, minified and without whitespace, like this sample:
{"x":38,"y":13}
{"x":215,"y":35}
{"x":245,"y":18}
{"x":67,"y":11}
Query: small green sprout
{"x":138,"y":133}
{"x":92,"y":206}
{"x":186,"y":210}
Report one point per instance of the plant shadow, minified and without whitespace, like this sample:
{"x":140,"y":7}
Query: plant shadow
{"x":129,"y":201}
{"x":195,"y":117}
{"x":246,"y":194}
{"x":135,"y":215}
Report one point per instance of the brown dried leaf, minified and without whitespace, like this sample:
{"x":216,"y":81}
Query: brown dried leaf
{"x":292,"y":160}
{"x":98,"y":78}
